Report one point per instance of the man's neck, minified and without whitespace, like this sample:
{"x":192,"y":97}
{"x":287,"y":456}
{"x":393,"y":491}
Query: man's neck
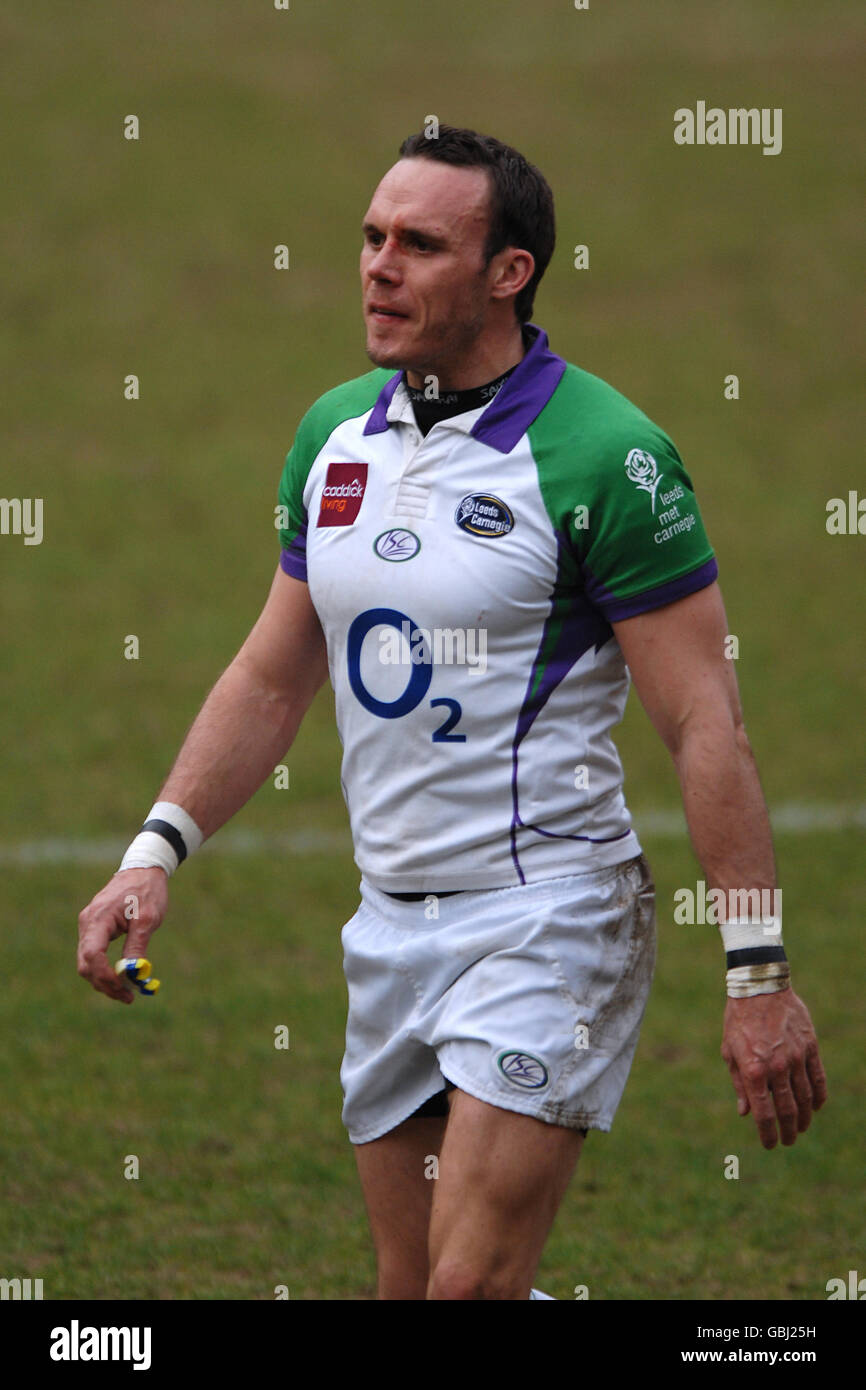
{"x":484,"y":366}
{"x":429,"y":409}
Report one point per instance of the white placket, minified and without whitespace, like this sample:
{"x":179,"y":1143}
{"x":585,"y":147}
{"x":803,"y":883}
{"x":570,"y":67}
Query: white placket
{"x":415,"y":485}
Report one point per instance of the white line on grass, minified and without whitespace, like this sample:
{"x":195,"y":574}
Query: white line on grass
{"x":789,"y":818}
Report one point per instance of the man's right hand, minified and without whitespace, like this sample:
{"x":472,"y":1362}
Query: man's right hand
{"x":242,"y":731}
{"x":132,"y":904}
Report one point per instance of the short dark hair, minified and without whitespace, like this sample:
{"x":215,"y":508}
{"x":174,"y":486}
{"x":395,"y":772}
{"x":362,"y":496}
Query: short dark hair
{"x":521,"y":201}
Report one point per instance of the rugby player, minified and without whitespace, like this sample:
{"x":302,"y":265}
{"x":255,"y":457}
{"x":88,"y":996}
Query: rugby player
{"x":479,"y":542}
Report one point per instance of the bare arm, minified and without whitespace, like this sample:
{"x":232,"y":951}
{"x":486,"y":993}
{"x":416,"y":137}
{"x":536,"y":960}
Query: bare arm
{"x":254,"y":711}
{"x":246,"y":724}
{"x":688,"y":688}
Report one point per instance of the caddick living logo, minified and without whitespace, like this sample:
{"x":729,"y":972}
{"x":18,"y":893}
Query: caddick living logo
{"x":342,"y":494}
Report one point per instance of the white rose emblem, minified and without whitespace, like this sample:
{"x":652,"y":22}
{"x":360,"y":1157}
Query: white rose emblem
{"x":642,"y":470}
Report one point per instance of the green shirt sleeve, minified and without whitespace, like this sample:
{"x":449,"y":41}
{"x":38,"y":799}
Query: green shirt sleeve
{"x":644,"y":543}
{"x":620,"y":500}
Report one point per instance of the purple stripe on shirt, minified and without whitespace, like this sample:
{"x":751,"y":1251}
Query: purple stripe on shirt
{"x":378,"y":420}
{"x":523,"y":397}
{"x":553,"y":835}
{"x":582,"y":627}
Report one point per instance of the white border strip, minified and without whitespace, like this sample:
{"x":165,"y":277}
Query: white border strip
{"x":790,"y":818}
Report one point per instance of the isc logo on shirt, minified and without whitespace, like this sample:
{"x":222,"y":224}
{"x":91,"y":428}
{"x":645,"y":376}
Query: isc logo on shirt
{"x":342,"y":494}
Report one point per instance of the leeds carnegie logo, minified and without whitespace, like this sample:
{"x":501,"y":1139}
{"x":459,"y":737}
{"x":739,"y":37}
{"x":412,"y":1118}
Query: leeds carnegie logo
{"x":342,"y":494}
{"x":523,"y":1070}
{"x":642,"y":470}
{"x":484,"y":515}
{"x":397,"y":545}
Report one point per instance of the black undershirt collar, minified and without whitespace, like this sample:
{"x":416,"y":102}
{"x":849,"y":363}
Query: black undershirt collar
{"x":429,"y":412}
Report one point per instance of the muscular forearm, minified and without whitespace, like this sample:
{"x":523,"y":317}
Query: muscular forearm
{"x":241,"y":732}
{"x":724,"y":805}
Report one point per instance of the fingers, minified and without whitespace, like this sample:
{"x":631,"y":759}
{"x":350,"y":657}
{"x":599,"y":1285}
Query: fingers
{"x":771,"y":1051}
{"x":114,"y":912}
{"x":802,"y":1089}
{"x":761,"y":1105}
{"x":94,"y":965}
{"x":786,"y":1106}
{"x":817,"y":1077}
{"x":798,"y":1088}
{"x":788,"y":1097}
{"x":743,"y":1106}
{"x":781,"y":1097}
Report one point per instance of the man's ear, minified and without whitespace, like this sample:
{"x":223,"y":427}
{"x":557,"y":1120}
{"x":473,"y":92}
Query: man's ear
{"x":513,"y":269}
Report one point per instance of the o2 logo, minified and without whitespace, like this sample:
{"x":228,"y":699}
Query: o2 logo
{"x":421,"y":667}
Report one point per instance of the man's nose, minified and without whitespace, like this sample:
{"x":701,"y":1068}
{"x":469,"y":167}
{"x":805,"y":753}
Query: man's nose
{"x":384,"y":264}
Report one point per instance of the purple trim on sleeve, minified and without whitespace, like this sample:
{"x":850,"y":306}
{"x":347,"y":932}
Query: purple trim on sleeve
{"x":615,"y":608}
{"x":293,"y":559}
{"x":378,"y":421}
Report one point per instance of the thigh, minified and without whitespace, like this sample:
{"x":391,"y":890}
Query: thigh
{"x":389,"y":1069}
{"x":502,"y":1176}
{"x":398,"y":1176}
{"x":544,"y":1016}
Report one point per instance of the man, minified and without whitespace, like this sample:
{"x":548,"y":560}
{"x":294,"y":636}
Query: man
{"x":476,"y":538}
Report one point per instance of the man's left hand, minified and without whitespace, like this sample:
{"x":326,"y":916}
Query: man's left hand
{"x":771,"y":1050}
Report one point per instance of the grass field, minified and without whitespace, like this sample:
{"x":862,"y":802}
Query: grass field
{"x":155,"y":257}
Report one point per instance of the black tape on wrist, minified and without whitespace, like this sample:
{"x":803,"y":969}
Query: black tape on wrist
{"x":756,"y":955}
{"x":170,"y":833}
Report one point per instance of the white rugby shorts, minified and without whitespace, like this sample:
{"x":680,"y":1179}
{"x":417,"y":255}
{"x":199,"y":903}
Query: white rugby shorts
{"x":530,"y":998}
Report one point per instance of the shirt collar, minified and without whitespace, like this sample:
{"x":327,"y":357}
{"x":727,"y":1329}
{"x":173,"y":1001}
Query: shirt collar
{"x":512,"y":410}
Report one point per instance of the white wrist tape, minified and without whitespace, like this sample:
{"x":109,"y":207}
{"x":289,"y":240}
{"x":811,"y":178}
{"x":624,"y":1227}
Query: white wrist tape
{"x":745,"y":980}
{"x":740,"y":935}
{"x":756,"y":960}
{"x":169,"y":835}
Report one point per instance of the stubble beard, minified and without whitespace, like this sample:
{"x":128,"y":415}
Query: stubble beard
{"x":448,"y":344}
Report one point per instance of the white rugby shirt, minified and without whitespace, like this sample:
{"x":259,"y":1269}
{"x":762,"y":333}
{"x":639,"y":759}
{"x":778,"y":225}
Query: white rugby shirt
{"x":466,"y":582}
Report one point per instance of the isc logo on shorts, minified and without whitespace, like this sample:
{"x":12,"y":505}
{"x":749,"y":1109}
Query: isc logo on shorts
{"x":523,"y":1070}
{"x":342,"y":494}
